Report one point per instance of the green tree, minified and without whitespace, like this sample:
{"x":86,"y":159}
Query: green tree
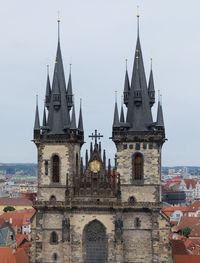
{"x":8,"y":208}
{"x":186,"y":231}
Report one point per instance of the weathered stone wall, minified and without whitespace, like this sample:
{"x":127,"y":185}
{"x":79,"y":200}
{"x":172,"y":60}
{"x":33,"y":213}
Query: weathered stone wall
{"x":67,"y":154}
{"x":137,"y":240}
{"x":52,"y":221}
{"x":149,"y":190}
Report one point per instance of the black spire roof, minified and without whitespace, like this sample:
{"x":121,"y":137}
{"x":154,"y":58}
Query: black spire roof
{"x":80,"y":121}
{"x":44,"y":123}
{"x":48,"y":90}
{"x":139,"y":98}
{"x":151,"y":90}
{"x":58,"y":118}
{"x":116,"y":116}
{"x":126,"y":87}
{"x":59,"y":101}
{"x":69,"y":91}
{"x":122,"y":115}
{"x":37,"y":119}
{"x":160,"y":119}
{"x":73,"y":119}
{"x":139,"y":114}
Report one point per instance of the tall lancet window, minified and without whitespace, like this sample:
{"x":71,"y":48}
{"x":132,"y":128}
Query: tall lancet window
{"x":137,"y":166}
{"x":55,"y":169}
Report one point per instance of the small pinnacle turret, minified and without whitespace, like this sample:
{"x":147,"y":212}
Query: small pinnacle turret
{"x":122,"y":115}
{"x":126,"y":87}
{"x":69,"y":91}
{"x":73,"y":119}
{"x":116,"y":117}
{"x":37,"y":122}
{"x":37,"y":119}
{"x":80,"y":121}
{"x":48,"y":90}
{"x":44,"y":123}
{"x":160,"y":119}
{"x":151,"y":90}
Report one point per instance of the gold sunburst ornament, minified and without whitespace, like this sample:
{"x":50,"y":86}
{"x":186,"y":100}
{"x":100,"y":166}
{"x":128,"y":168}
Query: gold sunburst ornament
{"x":95,"y":166}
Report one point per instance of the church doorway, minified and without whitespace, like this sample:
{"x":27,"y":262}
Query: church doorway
{"x":95,"y":243}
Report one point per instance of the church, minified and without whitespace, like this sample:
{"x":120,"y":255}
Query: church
{"x":86,"y":210}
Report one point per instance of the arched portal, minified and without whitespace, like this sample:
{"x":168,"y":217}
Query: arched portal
{"x":95,"y":243}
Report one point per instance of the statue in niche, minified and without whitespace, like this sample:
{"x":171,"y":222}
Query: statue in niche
{"x":66,"y":230}
{"x":118,"y":229}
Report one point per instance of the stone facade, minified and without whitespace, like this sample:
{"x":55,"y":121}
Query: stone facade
{"x":135,"y":232}
{"x":93,"y":213}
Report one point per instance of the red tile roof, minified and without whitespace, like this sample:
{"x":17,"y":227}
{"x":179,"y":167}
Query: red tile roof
{"x":186,"y":259}
{"x":171,"y":209}
{"x":15,"y":201}
{"x":195,"y":231}
{"x":21,"y":256}
{"x":186,"y":222}
{"x":194,"y":206}
{"x":18,"y":218}
{"x":7,"y":255}
{"x":190,"y":182}
{"x":178,"y":247}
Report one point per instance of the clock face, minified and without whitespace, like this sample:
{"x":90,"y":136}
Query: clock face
{"x":95,"y":166}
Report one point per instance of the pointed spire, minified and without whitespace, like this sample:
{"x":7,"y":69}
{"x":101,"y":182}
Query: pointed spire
{"x":69,"y":91}
{"x":80,"y":121}
{"x":139,"y":114}
{"x":86,"y":159}
{"x":44,"y":123}
{"x":109,"y":167}
{"x":48,"y":90}
{"x":151,"y":90}
{"x":100,"y":148}
{"x":126,"y":86}
{"x":73,"y":119}
{"x":37,"y":118}
{"x":122,"y":113}
{"x":104,"y":159}
{"x":81,"y":166}
{"x":116,"y":114}
{"x":91,"y":149}
{"x":58,"y":117}
{"x":160,"y":119}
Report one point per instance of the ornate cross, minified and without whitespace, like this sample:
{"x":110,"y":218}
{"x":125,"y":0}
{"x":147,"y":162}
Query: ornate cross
{"x":95,"y":136}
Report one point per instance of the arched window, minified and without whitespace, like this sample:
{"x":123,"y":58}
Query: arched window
{"x":54,"y":238}
{"x":52,"y":199}
{"x":137,"y":166}
{"x":55,"y":169}
{"x":55,"y":256}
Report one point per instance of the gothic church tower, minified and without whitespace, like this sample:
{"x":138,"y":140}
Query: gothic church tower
{"x":89,"y":212}
{"x":139,"y":141}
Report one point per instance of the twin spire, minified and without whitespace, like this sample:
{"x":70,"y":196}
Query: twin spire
{"x":138,"y":97}
{"x":58,"y":102}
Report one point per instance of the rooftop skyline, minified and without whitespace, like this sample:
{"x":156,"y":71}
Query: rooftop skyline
{"x":96,"y":38}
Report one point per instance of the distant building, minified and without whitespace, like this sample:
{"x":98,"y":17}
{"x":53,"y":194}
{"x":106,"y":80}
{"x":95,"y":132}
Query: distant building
{"x":17,"y":203}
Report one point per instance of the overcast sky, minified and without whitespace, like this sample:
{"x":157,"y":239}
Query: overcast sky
{"x":96,"y":37}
